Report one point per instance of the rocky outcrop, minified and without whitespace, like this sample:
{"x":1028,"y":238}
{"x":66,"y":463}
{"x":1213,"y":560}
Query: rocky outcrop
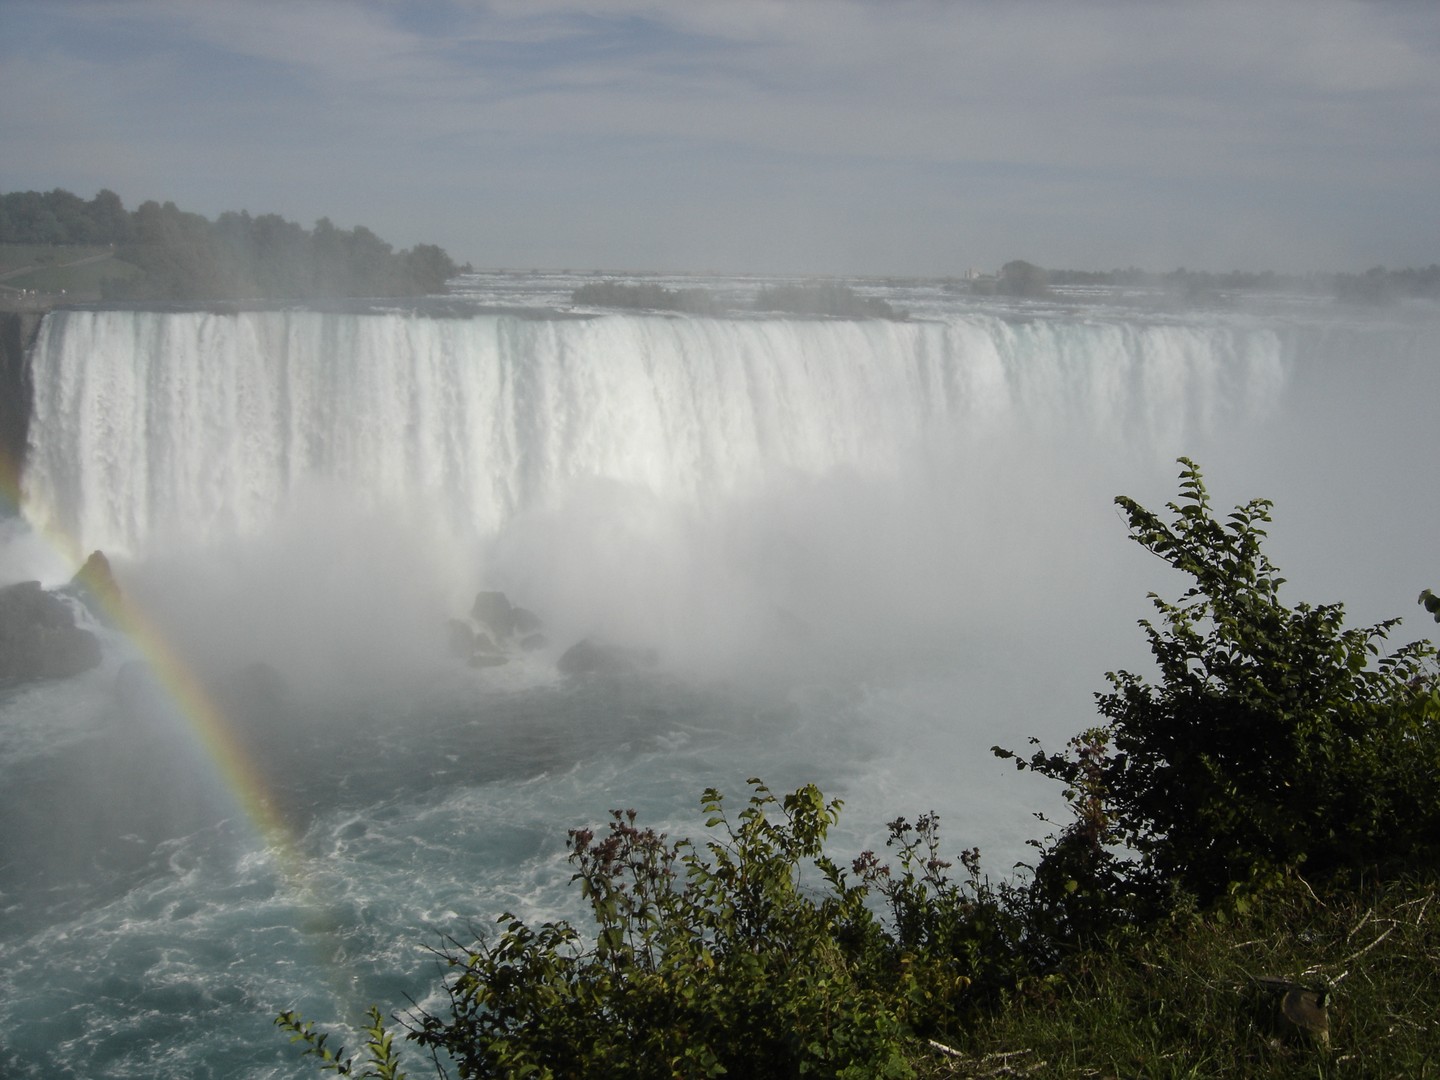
{"x":495,"y":631}
{"x":94,"y":586}
{"x":494,"y":611}
{"x":39,"y":638}
{"x":590,"y":657}
{"x":504,"y":621}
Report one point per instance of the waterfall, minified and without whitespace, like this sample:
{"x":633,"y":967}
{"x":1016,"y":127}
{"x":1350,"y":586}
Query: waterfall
{"x":207,"y":425}
{"x":861,"y":553}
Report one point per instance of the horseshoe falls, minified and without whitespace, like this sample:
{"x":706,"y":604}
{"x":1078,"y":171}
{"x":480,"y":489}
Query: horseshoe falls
{"x":857,"y":553}
{"x":203,"y":427}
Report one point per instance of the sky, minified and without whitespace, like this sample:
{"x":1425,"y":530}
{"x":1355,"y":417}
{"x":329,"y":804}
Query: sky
{"x":889,"y":137}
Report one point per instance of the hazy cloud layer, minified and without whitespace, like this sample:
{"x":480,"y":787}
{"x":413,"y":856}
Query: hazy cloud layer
{"x":887,"y":136}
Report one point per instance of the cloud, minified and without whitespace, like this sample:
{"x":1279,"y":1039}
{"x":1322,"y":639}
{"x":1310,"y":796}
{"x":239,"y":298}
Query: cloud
{"x":985,"y":113}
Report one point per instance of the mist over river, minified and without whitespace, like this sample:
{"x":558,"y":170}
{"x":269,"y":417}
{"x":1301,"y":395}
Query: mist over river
{"x":853,"y":552}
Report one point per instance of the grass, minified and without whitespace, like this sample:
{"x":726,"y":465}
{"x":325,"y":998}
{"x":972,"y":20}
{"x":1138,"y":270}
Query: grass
{"x":17,"y":256}
{"x":44,"y":268}
{"x":1201,"y":996}
{"x":76,"y":281}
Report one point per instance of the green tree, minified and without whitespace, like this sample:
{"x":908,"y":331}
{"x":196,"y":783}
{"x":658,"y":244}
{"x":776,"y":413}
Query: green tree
{"x":185,"y":257}
{"x":1021,"y":278}
{"x":1275,"y":738}
{"x":31,"y":221}
{"x":110,"y":220}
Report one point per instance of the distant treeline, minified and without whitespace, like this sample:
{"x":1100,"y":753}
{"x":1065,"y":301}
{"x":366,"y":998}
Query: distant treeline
{"x":1375,"y":286}
{"x":186,"y":257}
{"x":1381,"y":286}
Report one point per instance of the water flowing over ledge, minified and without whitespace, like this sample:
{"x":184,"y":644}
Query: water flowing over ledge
{"x":207,"y":424}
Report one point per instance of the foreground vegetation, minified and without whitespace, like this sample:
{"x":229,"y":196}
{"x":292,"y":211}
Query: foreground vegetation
{"x":160,"y":252}
{"x":1246,"y":886}
{"x":1205,"y":995}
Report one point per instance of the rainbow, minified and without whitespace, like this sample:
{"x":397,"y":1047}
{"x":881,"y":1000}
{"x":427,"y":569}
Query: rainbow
{"x":198,"y":718}
{"x":205,"y":720}
{"x":204,"y":723}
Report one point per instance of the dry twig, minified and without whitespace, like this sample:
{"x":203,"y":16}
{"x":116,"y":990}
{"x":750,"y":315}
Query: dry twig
{"x":1372,"y":945}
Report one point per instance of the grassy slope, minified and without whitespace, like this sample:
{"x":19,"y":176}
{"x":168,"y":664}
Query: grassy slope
{"x":1187,"y":1001}
{"x":43,"y":272}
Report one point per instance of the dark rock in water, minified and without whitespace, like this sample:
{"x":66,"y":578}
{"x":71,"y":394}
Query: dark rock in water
{"x":485,"y":652}
{"x":505,"y":624}
{"x":503,"y":627}
{"x":494,"y":611}
{"x":587,"y":657}
{"x":39,"y":638}
{"x":525,"y":622}
{"x":94,"y":586}
{"x":476,"y":647}
{"x":583,"y":658}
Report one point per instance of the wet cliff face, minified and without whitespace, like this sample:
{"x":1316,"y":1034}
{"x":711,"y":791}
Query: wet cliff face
{"x":17,"y":334}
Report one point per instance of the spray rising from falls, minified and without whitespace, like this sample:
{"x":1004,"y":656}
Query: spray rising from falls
{"x":699,"y":481}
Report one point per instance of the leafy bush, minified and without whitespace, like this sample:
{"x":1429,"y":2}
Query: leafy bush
{"x":1275,"y":738}
{"x":950,"y":947}
{"x":698,"y":967}
{"x":706,"y":960}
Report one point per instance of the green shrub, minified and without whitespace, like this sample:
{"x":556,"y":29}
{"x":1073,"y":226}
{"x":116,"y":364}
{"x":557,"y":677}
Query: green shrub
{"x":1274,"y":739}
{"x":704,"y":961}
{"x":721,"y":958}
{"x":950,"y":947}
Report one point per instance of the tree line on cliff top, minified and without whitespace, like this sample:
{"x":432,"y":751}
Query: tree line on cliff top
{"x":184,"y":256}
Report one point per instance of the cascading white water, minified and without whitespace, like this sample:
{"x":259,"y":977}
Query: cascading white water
{"x":203,"y":425}
{"x":863,"y":551}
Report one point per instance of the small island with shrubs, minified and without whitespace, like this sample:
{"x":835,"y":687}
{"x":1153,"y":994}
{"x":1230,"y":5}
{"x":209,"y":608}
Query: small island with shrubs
{"x":646,"y":296}
{"x":823,"y":299}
